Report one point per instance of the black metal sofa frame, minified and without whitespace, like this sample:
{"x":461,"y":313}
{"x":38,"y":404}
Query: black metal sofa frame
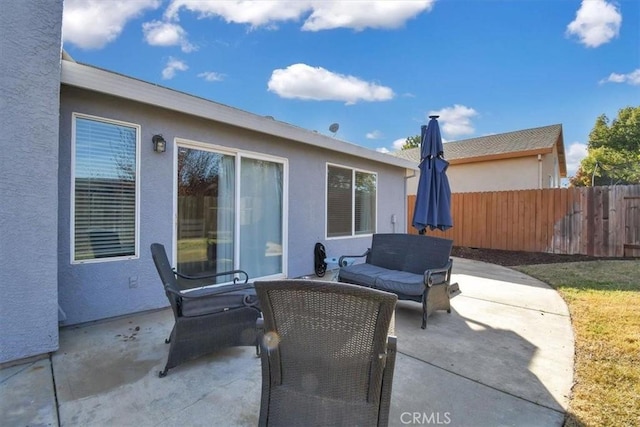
{"x":414,"y":267}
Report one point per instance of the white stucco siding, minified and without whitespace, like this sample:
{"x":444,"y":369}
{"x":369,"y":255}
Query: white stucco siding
{"x":495,"y":175}
{"x":550,"y":170}
{"x":522,"y":173}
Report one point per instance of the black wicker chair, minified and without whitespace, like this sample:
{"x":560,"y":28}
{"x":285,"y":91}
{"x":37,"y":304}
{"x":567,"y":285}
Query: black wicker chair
{"x":206,"y":318}
{"x":327,"y":358}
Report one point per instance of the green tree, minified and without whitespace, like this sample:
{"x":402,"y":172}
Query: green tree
{"x":613,"y":151}
{"x":411,"y":142}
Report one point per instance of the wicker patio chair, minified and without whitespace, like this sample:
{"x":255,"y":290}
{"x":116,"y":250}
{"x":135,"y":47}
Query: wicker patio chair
{"x":327,"y":358}
{"x":207,"y":318}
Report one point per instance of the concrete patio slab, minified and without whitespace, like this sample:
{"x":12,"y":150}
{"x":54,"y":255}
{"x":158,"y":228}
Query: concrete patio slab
{"x":428,"y":395}
{"x":107,"y":374}
{"x":504,"y":356}
{"x":27,"y":395}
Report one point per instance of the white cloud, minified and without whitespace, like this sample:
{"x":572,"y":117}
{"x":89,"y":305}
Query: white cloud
{"x":398,"y":143}
{"x":158,"y":33}
{"x":253,"y":13}
{"x":93,"y":24}
{"x":573,"y":155}
{"x":383,"y":150}
{"x":302,"y":81}
{"x":597,"y":22}
{"x":359,"y":15}
{"x":376,"y":134}
{"x":455,"y":121}
{"x":321,"y":15}
{"x":172,"y":66}
{"x":211,"y":76}
{"x":633,"y":78}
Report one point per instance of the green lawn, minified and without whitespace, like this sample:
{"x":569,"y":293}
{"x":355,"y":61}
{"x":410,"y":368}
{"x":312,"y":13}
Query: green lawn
{"x":604,"y":301}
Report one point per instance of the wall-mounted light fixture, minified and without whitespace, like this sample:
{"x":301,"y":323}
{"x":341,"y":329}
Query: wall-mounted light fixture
{"x":159,"y":144}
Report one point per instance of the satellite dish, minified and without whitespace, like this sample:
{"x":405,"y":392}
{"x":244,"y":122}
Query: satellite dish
{"x":334,"y":128}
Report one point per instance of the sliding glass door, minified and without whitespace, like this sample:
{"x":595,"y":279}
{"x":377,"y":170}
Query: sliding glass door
{"x":230,"y":213}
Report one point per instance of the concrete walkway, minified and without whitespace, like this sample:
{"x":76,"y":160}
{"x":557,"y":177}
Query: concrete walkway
{"x":503,"y":357}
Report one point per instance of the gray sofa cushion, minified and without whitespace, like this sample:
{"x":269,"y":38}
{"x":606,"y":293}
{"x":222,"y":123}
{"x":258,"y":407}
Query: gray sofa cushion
{"x":400,"y":281}
{"x":361,"y":274}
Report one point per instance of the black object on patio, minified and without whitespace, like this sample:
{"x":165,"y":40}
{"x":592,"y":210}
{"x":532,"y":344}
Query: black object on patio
{"x":433,"y":198}
{"x":415,"y":268}
{"x":207,"y":319}
{"x":327,"y":358}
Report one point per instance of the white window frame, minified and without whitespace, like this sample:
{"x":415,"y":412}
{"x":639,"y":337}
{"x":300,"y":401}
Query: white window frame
{"x":353,"y":202}
{"x":136,"y":255}
{"x":239,"y":154}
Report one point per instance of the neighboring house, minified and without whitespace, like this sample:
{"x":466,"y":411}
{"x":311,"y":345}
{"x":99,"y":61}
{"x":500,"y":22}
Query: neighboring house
{"x":87,"y":187}
{"x":521,"y":160}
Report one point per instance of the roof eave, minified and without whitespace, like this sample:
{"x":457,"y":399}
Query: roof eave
{"x":103,"y":81}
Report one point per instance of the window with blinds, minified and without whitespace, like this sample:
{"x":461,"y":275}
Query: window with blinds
{"x":351,"y":201}
{"x":105,"y":189}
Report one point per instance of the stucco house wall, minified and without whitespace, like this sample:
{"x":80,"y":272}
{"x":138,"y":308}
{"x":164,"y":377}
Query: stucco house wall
{"x":30,"y":34}
{"x":100,"y":290}
{"x":40,"y":285}
{"x":523,"y":173}
{"x":551,"y":170}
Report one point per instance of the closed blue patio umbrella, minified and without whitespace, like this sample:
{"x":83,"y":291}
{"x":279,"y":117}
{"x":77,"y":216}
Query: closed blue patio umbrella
{"x":433,"y":199}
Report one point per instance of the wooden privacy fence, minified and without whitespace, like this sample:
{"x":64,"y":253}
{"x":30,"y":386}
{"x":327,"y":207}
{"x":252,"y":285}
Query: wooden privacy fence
{"x":596,"y":221}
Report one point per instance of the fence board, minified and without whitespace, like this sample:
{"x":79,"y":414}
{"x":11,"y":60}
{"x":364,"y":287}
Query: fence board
{"x":530,"y":218}
{"x":598,"y":221}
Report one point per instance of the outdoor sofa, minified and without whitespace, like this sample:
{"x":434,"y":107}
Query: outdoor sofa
{"x":414,"y":267}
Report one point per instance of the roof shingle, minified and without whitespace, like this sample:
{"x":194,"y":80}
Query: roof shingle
{"x":503,"y":145}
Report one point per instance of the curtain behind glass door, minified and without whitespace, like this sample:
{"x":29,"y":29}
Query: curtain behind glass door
{"x":261,"y":217}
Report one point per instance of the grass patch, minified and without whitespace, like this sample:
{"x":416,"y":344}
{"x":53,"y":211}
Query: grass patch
{"x":604,"y":301}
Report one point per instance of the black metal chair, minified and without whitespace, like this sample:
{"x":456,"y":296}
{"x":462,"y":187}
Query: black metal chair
{"x":207,"y":319}
{"x":326,"y":355}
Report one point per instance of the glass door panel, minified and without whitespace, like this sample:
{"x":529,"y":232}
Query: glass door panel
{"x":206,"y":212}
{"x":261,"y":217}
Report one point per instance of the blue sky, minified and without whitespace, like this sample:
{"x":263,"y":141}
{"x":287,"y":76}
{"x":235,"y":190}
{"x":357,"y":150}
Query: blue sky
{"x":379,"y":68}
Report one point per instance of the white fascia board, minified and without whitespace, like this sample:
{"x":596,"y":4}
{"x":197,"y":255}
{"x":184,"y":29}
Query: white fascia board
{"x":98,"y":80}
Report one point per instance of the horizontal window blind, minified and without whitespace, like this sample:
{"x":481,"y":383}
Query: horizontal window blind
{"x":351,"y":202}
{"x":105,"y":190}
{"x":365,"y":203}
{"x":339,"y":201}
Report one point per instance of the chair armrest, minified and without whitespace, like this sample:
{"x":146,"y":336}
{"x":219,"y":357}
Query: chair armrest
{"x":342,"y":260}
{"x":428,"y":280}
{"x":207,"y":292}
{"x":210,"y":276}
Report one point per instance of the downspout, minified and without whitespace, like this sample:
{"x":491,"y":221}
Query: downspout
{"x":540,"y":171}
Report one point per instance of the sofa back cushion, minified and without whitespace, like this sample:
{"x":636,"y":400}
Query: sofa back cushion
{"x":409,"y":252}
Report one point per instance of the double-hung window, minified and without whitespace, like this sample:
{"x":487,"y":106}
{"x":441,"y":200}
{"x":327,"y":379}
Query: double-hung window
{"x":351,"y":201}
{"x":104,"y":189}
